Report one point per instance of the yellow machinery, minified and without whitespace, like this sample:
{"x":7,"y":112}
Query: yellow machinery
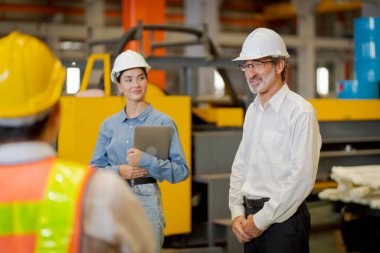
{"x":346,"y":109}
{"x":350,"y":134}
{"x":221,"y":116}
{"x":80,"y":122}
{"x":343,"y":122}
{"x":349,"y":129}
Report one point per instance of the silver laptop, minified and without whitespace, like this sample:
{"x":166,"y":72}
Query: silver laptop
{"x":153,"y":140}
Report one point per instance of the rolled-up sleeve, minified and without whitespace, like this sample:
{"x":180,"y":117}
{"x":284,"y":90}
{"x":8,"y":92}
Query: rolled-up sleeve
{"x":100,"y":157}
{"x":175,"y":168}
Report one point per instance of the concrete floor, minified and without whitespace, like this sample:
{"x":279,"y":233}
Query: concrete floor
{"x":325,"y":235}
{"x":326,"y":242}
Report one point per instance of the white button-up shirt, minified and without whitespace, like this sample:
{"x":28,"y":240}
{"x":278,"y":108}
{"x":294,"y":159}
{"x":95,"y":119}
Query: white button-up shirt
{"x":277,"y":157}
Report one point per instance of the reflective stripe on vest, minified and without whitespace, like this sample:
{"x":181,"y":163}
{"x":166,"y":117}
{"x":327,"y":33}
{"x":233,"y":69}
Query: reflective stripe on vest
{"x":40,"y":206}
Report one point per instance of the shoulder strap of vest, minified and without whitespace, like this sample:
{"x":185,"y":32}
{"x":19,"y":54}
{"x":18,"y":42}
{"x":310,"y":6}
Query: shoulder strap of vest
{"x":59,"y":224}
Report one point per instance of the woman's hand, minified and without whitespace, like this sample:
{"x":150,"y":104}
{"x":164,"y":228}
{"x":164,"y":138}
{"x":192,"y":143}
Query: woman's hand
{"x":134,"y":156}
{"x":128,"y":171}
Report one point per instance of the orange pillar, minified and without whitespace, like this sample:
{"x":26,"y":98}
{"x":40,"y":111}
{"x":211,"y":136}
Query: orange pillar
{"x":148,"y":12}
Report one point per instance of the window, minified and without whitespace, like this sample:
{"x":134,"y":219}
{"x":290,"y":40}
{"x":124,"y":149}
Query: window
{"x":322,"y":81}
{"x":72,"y":79}
{"x":218,"y":84}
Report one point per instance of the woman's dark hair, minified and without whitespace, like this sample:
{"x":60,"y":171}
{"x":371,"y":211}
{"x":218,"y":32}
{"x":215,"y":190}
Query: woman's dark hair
{"x":121,"y":73}
{"x":21,"y":133}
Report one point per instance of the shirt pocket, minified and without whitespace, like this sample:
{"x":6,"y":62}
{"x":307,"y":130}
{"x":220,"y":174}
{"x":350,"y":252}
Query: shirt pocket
{"x":272,"y":148}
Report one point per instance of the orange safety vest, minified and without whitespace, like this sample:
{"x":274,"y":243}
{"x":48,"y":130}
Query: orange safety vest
{"x":41,"y":206}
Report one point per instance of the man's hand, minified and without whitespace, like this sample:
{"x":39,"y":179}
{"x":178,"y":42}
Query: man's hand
{"x":249,"y":227}
{"x":238,"y":231}
{"x":134,"y":156}
{"x":129,"y":172}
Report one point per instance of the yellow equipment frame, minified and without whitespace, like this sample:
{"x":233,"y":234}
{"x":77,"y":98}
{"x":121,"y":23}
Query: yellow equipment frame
{"x":80,"y":121}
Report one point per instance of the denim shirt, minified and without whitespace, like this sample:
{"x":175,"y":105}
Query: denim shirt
{"x":116,"y":138}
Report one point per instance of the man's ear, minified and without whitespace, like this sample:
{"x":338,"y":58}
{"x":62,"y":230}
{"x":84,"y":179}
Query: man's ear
{"x":56,"y":114}
{"x":280,"y":66}
{"x":51,"y":128}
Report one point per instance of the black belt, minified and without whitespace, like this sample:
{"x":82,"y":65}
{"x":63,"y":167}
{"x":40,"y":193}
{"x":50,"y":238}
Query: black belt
{"x":141,"y":180}
{"x":255,"y":203}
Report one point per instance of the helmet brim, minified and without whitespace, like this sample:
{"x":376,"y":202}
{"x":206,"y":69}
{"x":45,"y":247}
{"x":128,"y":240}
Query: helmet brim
{"x":246,"y":58}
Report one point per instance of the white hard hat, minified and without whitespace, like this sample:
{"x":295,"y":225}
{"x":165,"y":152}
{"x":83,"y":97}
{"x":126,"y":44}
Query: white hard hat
{"x":128,"y":60}
{"x":262,"y":42}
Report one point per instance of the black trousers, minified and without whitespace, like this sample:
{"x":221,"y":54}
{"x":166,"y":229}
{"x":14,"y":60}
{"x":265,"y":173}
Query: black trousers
{"x":290,"y":236}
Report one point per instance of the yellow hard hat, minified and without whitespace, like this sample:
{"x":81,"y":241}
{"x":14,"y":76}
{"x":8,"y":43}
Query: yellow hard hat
{"x":31,"y":78}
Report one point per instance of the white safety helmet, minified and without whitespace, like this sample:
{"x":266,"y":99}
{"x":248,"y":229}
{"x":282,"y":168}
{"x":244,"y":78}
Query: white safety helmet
{"x":128,"y":60}
{"x":262,"y":42}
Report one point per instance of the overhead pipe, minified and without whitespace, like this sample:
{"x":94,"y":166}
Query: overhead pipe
{"x":270,"y":12}
{"x":50,"y":10}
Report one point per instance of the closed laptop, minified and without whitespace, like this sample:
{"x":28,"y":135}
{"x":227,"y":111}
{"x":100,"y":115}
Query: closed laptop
{"x":154,"y":140}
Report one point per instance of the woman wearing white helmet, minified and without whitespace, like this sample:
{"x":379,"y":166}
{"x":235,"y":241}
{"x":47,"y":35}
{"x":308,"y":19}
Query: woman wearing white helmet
{"x":114,"y":149}
{"x":276,"y":164}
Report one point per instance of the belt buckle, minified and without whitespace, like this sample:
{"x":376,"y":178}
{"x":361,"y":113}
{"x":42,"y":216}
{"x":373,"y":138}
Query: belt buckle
{"x":131,"y":182}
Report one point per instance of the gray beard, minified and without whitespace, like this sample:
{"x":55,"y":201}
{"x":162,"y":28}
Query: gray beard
{"x":263,"y":84}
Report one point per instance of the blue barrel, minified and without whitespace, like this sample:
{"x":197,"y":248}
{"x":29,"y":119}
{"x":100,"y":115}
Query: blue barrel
{"x":347,"y":89}
{"x":350,"y":89}
{"x":367,"y":57}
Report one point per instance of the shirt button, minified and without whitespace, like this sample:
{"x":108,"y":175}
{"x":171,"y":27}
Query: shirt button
{"x":130,"y":126}
{"x":127,"y":141}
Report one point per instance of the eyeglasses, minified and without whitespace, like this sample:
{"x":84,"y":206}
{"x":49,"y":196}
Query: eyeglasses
{"x":254,"y":65}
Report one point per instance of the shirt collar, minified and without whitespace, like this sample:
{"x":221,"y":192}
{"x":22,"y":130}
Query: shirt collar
{"x":279,"y":97}
{"x":23,"y":152}
{"x":142,"y":116}
{"x":276,"y":101}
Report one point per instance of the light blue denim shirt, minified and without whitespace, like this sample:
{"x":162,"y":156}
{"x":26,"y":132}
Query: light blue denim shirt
{"x":116,"y":138}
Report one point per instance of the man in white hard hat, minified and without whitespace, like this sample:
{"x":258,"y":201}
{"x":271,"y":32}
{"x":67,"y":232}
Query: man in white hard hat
{"x":48,"y":204}
{"x":276,"y":164}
